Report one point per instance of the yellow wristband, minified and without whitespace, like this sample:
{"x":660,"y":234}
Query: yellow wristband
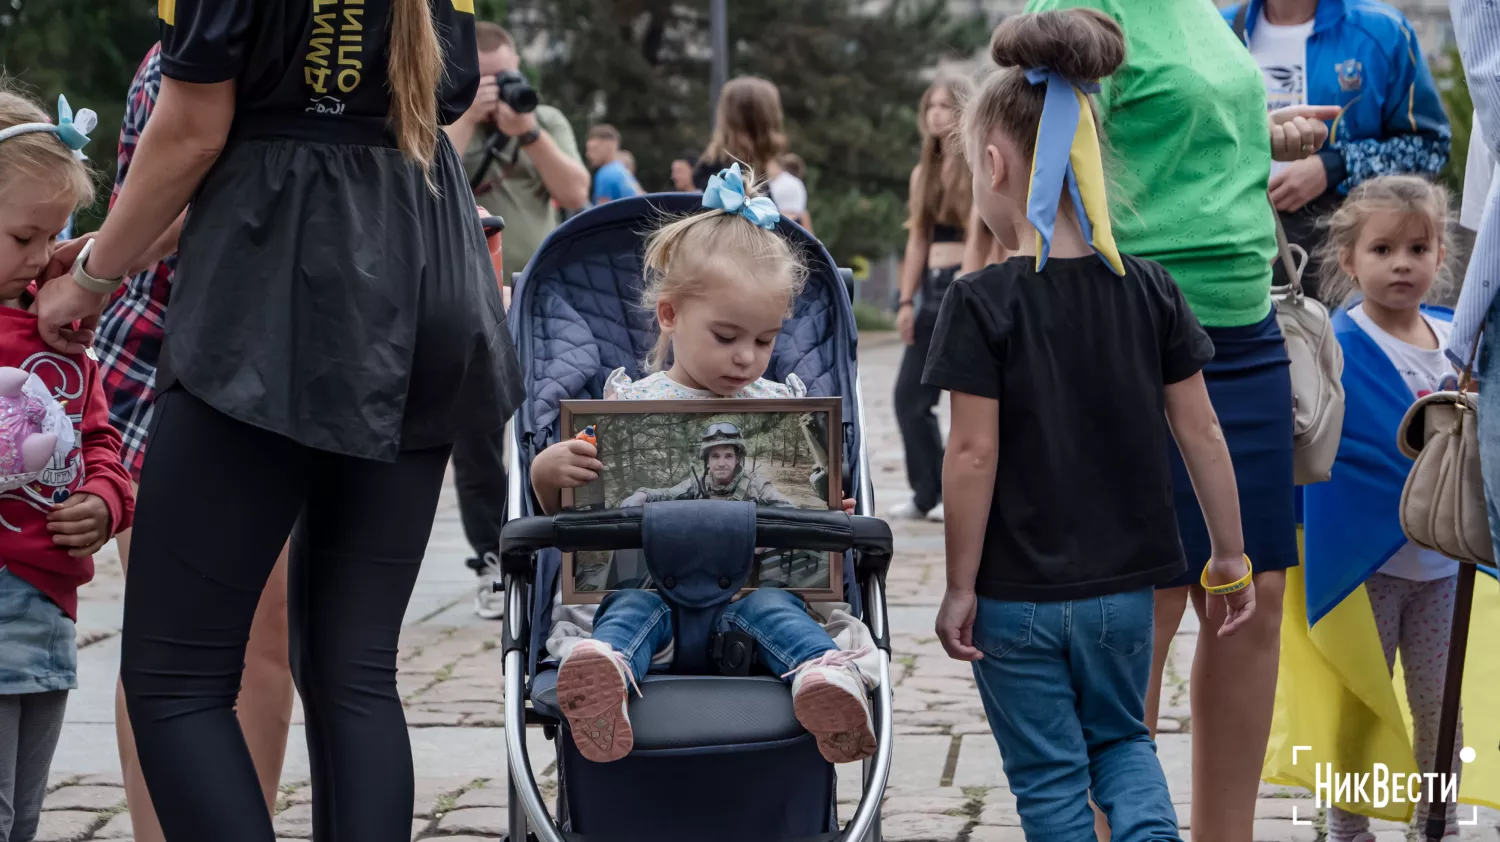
{"x":1233,"y":587}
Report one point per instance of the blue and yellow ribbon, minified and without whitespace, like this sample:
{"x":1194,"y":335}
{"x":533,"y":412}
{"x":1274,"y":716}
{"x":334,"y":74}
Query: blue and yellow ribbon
{"x":1068,"y":156}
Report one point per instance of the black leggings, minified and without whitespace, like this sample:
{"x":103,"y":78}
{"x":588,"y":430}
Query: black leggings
{"x":217,"y":500}
{"x":920,"y":435}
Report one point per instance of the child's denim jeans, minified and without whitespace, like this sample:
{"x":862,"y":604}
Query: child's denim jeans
{"x":1064,"y":686}
{"x":639,"y":624}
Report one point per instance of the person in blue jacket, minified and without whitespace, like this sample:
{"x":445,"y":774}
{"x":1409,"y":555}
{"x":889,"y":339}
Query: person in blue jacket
{"x":1363,"y":56}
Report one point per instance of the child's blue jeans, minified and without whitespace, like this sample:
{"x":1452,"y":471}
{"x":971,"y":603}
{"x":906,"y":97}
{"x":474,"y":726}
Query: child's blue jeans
{"x":639,"y":624}
{"x":1064,"y":686}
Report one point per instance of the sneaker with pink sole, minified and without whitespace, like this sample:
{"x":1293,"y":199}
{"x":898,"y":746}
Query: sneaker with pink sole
{"x":829,"y":698}
{"x":593,"y":688}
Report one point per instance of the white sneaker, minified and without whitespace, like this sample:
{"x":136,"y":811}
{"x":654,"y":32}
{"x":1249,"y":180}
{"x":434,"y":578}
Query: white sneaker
{"x":936,"y":514}
{"x":489,"y":603}
{"x":593,"y":689}
{"x":907,"y":511}
{"x":829,"y":699}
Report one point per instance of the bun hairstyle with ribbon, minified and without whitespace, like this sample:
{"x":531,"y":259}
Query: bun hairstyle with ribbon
{"x":1049,"y":64}
{"x":734,"y":237}
{"x":34,"y":146}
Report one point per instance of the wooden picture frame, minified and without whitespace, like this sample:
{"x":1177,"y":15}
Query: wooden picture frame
{"x":801,"y":438}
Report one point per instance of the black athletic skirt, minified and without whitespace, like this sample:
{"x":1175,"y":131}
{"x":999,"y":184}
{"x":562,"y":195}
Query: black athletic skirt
{"x":326,"y":292}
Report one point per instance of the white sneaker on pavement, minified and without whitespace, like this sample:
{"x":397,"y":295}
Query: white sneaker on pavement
{"x":593,"y":689}
{"x":489,"y":603}
{"x":907,"y":511}
{"x":829,"y":699}
{"x":936,"y":514}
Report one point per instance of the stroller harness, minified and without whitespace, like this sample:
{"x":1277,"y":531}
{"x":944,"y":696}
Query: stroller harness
{"x":698,"y":578}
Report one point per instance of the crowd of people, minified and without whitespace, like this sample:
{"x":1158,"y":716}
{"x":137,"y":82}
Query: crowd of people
{"x":1064,"y":305}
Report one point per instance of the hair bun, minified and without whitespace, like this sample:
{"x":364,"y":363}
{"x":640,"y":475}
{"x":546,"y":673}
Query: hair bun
{"x":1081,"y":44}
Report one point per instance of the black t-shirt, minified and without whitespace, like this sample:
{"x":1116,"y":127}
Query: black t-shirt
{"x":1077,"y":358}
{"x":310,"y":57}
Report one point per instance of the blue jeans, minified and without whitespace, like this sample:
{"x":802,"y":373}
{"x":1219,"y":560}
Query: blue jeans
{"x":1487,"y":370}
{"x":639,"y":624}
{"x":1064,"y":686}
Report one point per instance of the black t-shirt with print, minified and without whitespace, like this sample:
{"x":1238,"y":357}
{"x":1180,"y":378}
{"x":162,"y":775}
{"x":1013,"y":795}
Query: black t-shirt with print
{"x":310,"y":57}
{"x":1077,"y":358}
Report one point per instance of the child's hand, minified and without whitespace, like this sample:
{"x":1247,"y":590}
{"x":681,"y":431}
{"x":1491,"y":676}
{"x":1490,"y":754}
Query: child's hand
{"x":1234,"y":610}
{"x":955,"y":625}
{"x":80,"y":522}
{"x":567,"y":464}
{"x":848,"y":505}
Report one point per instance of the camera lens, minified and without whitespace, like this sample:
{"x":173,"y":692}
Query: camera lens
{"x":516,"y":92}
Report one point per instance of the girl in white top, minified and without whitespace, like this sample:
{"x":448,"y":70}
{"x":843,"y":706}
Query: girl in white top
{"x":721,"y":283}
{"x":1386,"y":243}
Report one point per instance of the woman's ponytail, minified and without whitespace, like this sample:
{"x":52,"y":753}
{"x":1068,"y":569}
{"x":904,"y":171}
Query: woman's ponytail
{"x":416,"y":69}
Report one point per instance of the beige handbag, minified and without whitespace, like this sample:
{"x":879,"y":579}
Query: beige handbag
{"x":1442,"y":504}
{"x":1317,"y":370}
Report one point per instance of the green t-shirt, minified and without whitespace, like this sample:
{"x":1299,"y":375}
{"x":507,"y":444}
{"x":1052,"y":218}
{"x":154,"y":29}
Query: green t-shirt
{"x":1186,"y":119}
{"x":512,"y":189}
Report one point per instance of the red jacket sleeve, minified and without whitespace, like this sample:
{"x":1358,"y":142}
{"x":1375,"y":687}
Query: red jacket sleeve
{"x":103,"y":474}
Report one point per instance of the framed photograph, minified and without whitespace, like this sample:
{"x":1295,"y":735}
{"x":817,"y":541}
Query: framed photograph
{"x":782,"y":452}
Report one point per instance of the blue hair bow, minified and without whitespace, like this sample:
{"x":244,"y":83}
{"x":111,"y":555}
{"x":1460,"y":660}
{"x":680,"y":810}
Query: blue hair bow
{"x":726,"y":192}
{"x":1067,"y":155}
{"x":74,"y":132}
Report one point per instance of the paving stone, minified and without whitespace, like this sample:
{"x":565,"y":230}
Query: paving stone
{"x":943,"y":800}
{"x":486,"y":796}
{"x":475,"y":820}
{"x":984,"y":833}
{"x":979,"y":763}
{"x":94,"y":798}
{"x":1282,"y":830}
{"x":951,"y":687}
{"x":295,"y":822}
{"x":1282,"y":808}
{"x":421,"y":718}
{"x":106,"y":779}
{"x":1168,"y":725}
{"x":1000,"y":809}
{"x":116,"y":828}
{"x":65,"y":826}
{"x":921,"y":827}
{"x":430,"y":791}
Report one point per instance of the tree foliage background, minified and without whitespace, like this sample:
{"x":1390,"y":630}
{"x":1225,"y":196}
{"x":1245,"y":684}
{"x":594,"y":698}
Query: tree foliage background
{"x":850,"y":73}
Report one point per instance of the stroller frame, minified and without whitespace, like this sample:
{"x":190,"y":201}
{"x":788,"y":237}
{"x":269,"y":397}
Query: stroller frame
{"x":523,"y":537}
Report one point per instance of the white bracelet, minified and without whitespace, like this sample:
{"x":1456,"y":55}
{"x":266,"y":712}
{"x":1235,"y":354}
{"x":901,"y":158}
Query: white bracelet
{"x":98,"y":286}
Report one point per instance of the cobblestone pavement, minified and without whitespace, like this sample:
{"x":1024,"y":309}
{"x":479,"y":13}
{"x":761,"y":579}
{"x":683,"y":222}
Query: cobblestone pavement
{"x":947,"y":780}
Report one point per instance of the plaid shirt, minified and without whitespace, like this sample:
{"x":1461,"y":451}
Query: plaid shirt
{"x":129,"y":339}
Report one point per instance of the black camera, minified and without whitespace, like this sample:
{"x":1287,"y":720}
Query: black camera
{"x":516,"y":92}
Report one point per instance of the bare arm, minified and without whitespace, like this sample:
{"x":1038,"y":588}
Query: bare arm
{"x":1195,"y":426}
{"x":565,"y":179}
{"x":916,"y":251}
{"x":182,"y":141}
{"x":968,"y":486}
{"x":165,"y":245}
{"x":184,"y":137}
{"x":461,"y":133}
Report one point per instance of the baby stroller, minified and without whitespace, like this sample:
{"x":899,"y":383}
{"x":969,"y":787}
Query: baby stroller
{"x":716,"y":756}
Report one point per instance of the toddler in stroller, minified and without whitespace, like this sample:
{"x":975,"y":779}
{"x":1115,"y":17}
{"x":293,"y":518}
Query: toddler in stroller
{"x":720,"y":282}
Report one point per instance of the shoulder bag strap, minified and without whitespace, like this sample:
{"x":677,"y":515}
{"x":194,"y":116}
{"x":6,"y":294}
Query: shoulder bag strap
{"x":1289,"y":253}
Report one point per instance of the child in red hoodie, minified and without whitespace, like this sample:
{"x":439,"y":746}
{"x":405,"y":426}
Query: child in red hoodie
{"x":57,"y":509}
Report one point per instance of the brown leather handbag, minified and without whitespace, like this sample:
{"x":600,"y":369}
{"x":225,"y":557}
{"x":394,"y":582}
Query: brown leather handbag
{"x":1442,"y":504}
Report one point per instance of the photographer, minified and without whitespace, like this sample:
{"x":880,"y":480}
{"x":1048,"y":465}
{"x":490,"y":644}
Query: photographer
{"x":518,"y":161}
{"x":519,"y":157}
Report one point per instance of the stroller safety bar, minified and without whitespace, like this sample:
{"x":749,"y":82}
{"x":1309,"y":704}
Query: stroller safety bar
{"x":620,"y":529}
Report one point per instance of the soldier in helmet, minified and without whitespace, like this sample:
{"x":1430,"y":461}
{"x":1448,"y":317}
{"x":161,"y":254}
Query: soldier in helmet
{"x":724,"y":476}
